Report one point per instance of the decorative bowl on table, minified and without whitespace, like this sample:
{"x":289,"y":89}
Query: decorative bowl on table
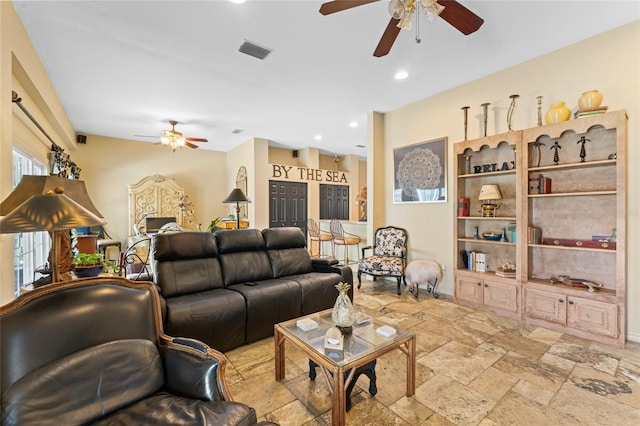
{"x":491,"y":236}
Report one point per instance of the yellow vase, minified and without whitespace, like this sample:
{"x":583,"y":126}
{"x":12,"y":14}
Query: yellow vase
{"x":590,"y":100}
{"x":557,"y":113}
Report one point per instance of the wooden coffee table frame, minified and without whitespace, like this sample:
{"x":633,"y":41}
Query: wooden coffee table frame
{"x":406,"y":345}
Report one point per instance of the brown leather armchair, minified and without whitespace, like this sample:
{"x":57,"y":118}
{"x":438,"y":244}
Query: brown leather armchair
{"x":92,"y":351}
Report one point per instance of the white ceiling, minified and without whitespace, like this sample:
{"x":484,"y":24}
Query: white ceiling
{"x":125,"y":68}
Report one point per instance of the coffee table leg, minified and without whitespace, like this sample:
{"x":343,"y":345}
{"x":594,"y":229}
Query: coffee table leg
{"x":411,"y":366}
{"x":279,"y":346}
{"x":338,"y":412}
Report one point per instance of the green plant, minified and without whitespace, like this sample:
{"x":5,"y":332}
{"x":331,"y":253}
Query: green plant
{"x":214,"y":223}
{"x":89,"y":259}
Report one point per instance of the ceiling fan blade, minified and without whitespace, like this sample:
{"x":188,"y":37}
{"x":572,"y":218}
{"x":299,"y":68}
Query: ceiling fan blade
{"x":388,"y":38}
{"x":196,"y":140}
{"x":340,"y":5}
{"x":190,"y":145}
{"x":460,"y":17}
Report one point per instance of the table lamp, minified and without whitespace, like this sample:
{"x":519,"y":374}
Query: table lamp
{"x":54,"y":212}
{"x":237,"y":196}
{"x":488,"y":195}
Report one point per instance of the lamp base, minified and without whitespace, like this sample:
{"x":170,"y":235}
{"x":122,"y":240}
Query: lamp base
{"x":489,"y":210}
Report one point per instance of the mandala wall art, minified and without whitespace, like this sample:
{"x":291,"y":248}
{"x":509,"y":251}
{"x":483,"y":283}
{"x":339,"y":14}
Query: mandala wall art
{"x":420,"y":174}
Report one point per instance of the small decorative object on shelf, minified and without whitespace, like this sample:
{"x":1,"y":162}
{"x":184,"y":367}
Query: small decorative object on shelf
{"x":488,"y":195}
{"x":485,"y":107}
{"x":512,"y":108}
{"x":503,"y":237}
{"x":537,"y":155}
{"x":344,"y":314}
{"x":491,"y":236}
{"x":583,"y":151}
{"x":508,"y":270}
{"x":555,"y":147}
{"x":557,"y":113}
{"x":465,"y":110}
{"x":475,"y":233}
{"x":590,"y":100}
{"x":614,"y":235}
{"x":467,"y":164}
{"x":539,"y":98}
{"x":463,"y":207}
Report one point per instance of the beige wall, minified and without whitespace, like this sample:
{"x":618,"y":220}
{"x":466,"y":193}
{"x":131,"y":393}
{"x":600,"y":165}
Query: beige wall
{"x":609,"y":63}
{"x":22,"y":71}
{"x":109,"y":165}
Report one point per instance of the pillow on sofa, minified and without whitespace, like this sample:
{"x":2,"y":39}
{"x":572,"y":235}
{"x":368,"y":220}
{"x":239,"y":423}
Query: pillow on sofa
{"x":86,"y":385}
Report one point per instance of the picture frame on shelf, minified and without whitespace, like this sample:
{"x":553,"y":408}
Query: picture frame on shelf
{"x":420,"y":172}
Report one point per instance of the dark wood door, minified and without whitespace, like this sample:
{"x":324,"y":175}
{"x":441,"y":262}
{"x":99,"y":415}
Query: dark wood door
{"x":288,"y":204}
{"x":334,"y":202}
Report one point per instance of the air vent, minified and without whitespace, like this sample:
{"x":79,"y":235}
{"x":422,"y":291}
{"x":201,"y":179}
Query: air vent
{"x":254,"y":50}
{"x":237,"y":131}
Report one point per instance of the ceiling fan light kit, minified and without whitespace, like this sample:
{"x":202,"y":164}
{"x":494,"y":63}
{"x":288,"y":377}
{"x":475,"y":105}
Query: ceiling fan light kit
{"x":174,"y":139}
{"x":403,"y":13}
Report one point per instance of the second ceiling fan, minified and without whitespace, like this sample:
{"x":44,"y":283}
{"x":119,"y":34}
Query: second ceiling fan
{"x":174,"y":139}
{"x":403,"y":13}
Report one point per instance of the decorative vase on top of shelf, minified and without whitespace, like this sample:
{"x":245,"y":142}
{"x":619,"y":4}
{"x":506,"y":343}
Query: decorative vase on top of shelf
{"x":557,"y":113}
{"x":590,"y":100}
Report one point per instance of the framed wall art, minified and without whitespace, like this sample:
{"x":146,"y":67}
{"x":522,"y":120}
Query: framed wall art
{"x":420,"y":172}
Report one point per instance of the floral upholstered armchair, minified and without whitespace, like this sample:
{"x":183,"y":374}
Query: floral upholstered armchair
{"x":389,"y":257}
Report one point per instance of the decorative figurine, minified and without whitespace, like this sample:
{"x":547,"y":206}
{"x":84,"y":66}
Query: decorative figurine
{"x":537,"y":155}
{"x":475,"y":233}
{"x":503,"y":237}
{"x":539,"y":98}
{"x":583,"y":151}
{"x":512,"y":108}
{"x":465,"y":110}
{"x":556,"y":146}
{"x":484,"y":116}
{"x":467,"y":164}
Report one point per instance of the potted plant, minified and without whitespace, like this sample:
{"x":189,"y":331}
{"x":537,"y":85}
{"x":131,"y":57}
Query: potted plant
{"x":89,"y":264}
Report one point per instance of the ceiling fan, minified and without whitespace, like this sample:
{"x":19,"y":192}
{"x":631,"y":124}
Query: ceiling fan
{"x":403,"y":13}
{"x":174,"y":139}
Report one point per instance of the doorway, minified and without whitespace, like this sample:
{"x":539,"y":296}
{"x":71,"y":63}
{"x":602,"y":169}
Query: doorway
{"x":334,"y":202}
{"x":288,"y":204}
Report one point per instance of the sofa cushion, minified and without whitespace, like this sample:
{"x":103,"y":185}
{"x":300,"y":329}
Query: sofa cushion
{"x":85,"y":385}
{"x":178,"y":277}
{"x":318,"y":290}
{"x":185,"y":262}
{"x":236,"y":240}
{"x":285,"y":262}
{"x":216,"y":317}
{"x":166,"y":409}
{"x":287,"y":237}
{"x":269,"y":302}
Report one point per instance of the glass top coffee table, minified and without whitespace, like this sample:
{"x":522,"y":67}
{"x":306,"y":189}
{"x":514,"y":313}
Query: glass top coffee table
{"x":362,"y":347}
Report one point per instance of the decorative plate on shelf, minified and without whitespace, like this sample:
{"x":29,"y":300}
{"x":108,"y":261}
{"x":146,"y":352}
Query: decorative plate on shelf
{"x":491,"y":236}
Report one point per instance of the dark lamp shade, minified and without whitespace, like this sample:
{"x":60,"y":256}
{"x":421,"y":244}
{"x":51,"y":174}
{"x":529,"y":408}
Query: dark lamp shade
{"x":39,"y":185}
{"x":50,"y":212}
{"x":237,"y":196}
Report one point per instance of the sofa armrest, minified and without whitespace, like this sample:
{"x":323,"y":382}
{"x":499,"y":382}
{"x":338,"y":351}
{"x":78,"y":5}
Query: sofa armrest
{"x":344,"y":270}
{"x":193,"y":369}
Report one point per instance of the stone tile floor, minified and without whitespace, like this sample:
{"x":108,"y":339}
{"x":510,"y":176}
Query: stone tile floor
{"x":473,"y":368}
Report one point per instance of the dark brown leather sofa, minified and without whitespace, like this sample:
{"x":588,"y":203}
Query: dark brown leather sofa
{"x":92,"y":351}
{"x":230,"y":288}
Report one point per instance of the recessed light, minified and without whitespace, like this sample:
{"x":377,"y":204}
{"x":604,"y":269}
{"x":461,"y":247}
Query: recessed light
{"x":238,"y":1}
{"x":353,"y":124}
{"x":401,"y":75}
{"x":318,"y":137}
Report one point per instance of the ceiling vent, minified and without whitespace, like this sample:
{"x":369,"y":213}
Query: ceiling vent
{"x":254,"y":50}
{"x":237,"y":131}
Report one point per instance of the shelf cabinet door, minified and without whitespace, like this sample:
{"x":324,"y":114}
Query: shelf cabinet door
{"x":547,"y":306}
{"x":593,"y":316}
{"x":469,"y":289}
{"x":500,"y":296}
